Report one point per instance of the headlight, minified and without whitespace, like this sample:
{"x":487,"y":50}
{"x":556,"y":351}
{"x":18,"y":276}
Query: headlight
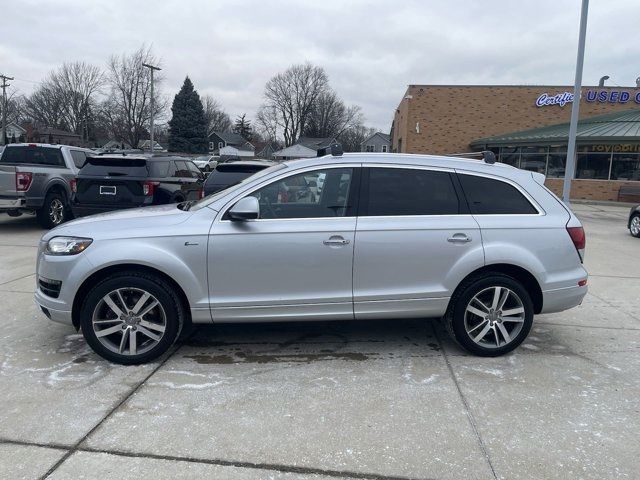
{"x":67,"y":245}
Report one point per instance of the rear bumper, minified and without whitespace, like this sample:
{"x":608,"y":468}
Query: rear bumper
{"x":562,"y":299}
{"x":12,"y":203}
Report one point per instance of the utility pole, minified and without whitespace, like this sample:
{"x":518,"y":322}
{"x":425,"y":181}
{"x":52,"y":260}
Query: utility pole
{"x":151,"y":69}
{"x":4,"y":79}
{"x":570,"y":166}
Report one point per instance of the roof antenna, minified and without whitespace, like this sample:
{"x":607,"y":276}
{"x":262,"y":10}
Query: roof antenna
{"x":336,"y":150}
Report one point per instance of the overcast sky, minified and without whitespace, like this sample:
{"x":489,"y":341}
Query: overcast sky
{"x":371,"y":49}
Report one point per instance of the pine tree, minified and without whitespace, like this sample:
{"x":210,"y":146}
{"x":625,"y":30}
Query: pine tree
{"x":243,"y":127}
{"x":188,"y":126}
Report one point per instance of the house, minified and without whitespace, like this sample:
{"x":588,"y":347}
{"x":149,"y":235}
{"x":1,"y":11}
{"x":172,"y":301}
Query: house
{"x":144,"y":145}
{"x":229,"y":144}
{"x":52,"y":135}
{"x":306,"y":147}
{"x":378,"y":142}
{"x":115,"y":145}
{"x":266,"y":149}
{"x":15,"y":133}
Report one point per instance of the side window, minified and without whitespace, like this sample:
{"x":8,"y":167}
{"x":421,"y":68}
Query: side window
{"x":78,"y":158}
{"x":158,"y":169}
{"x":488,"y":196}
{"x":316,"y":194}
{"x":409,"y":191}
{"x":182,"y":170}
{"x":195,"y":171}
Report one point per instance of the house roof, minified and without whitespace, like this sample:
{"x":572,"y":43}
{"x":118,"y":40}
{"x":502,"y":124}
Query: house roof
{"x":315,"y":143}
{"x":16,"y":126}
{"x":610,"y":128}
{"x":246,"y":147}
{"x":385,"y":136}
{"x":297,"y":150}
{"x":231,"y":138}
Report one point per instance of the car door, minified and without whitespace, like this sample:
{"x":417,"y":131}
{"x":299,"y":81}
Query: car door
{"x":415,"y":241}
{"x":293,"y":262}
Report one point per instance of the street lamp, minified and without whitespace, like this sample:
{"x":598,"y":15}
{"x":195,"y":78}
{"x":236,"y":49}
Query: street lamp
{"x":575,"y":106}
{"x":151,"y":69}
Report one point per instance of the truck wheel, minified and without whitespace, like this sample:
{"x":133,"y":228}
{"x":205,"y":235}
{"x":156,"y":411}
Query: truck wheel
{"x":54,"y":211}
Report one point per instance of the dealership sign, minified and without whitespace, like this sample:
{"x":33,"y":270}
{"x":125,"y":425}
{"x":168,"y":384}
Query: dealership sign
{"x":592,"y":96}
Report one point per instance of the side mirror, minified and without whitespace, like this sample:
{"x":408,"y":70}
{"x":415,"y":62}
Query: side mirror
{"x":246,"y":209}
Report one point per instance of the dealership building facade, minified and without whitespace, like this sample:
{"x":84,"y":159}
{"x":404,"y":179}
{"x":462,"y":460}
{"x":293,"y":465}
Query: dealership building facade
{"x":527,"y":126}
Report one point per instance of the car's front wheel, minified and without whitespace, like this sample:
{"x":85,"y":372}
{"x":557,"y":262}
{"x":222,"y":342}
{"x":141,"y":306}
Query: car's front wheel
{"x":131,"y":317}
{"x":634,"y":225}
{"x":490,"y":315}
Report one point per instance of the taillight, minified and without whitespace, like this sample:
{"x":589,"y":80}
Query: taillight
{"x":148,"y":188}
{"x":23,"y":181}
{"x":579,"y":240}
{"x":73,"y":183}
{"x":201,"y":193}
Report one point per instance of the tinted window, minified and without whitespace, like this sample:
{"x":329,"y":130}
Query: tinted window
{"x":195,"y":171}
{"x":33,"y":156}
{"x":158,"y":169}
{"x":487,"y":196}
{"x":316,"y":194}
{"x":115,"y":167}
{"x":400,"y":191}
{"x":78,"y":158}
{"x":182,"y":170}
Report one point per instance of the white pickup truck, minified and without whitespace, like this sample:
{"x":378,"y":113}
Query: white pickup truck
{"x":34,"y":177}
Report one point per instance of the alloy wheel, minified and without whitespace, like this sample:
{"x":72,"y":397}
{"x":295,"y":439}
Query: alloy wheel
{"x":129,"y":321}
{"x":56,"y":211}
{"x":494,"y":317}
{"x":635,"y":226}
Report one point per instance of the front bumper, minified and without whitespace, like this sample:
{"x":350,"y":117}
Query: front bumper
{"x":51,"y":308}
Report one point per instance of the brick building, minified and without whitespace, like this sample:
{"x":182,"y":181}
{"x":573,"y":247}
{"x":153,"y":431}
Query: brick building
{"x":444,"y":119}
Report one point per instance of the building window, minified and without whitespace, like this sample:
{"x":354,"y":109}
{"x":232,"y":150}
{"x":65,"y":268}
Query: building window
{"x":626,"y":166}
{"x":384,"y":149}
{"x":593,"y":166}
{"x":370,"y":148}
{"x":534,"y":162}
{"x":211,"y":146}
{"x":220,"y":145}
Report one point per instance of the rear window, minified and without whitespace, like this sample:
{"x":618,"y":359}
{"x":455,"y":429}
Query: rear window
{"x":488,"y":196}
{"x":78,"y":158}
{"x":26,"y":155}
{"x":115,"y":167}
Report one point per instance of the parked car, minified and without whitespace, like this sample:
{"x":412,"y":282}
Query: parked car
{"x":634,"y":221}
{"x":486,"y":246}
{"x":115,"y":182}
{"x":206,"y":163}
{"x":231,"y":173}
{"x":35,"y":177}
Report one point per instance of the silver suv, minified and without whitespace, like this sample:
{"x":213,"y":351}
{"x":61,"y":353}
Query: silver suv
{"x":486,"y":246}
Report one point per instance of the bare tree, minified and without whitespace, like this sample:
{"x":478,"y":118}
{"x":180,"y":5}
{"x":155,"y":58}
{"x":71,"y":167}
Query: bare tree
{"x":15,"y":107}
{"x":290,"y":97}
{"x":217,"y":119}
{"x":127,"y":109}
{"x":330,"y":117}
{"x":267,"y":123}
{"x":67,"y":97}
{"x":352,"y":138}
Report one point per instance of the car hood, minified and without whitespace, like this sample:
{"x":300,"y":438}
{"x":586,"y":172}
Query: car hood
{"x":122,"y":223}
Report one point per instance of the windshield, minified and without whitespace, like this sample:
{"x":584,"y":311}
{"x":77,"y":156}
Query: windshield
{"x":212,"y":198}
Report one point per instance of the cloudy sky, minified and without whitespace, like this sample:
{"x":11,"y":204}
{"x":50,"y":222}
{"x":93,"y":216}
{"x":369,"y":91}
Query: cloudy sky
{"x":371,"y":49}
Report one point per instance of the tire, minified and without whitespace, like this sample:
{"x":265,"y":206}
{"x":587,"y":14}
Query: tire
{"x":634,"y":225}
{"x":485,"y":331}
{"x":54,"y":211}
{"x":207,"y":168}
{"x":153,"y":332}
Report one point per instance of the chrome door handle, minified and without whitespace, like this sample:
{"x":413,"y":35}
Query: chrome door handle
{"x":459,"y":238}
{"x":336,"y":241}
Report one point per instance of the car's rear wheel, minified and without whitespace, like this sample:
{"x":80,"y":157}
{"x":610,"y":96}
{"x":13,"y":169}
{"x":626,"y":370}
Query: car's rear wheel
{"x":634,"y":225}
{"x":54,"y":211}
{"x":490,"y":315}
{"x":131,"y":318}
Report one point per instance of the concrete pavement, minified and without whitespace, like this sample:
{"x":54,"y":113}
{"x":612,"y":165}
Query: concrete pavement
{"x":380,"y":400}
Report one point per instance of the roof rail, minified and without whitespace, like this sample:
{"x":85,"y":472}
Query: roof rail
{"x":487,"y":156}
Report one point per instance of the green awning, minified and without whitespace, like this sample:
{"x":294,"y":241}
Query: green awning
{"x":620,"y":127}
